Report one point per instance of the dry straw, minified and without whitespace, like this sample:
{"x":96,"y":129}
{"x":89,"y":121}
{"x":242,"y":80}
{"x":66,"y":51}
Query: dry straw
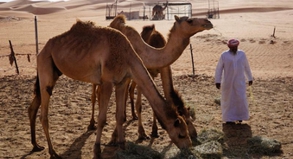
{"x":262,"y":145}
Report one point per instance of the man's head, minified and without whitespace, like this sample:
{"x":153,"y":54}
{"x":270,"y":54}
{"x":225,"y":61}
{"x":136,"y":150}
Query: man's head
{"x":233,"y":45}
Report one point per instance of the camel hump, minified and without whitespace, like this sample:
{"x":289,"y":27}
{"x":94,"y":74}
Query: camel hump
{"x":148,"y":28}
{"x":118,"y":20}
{"x":82,"y":25}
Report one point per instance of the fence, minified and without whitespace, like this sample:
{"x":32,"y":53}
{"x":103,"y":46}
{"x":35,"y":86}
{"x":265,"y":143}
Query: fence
{"x":25,"y":63}
{"x":14,"y":58}
{"x":144,"y":11}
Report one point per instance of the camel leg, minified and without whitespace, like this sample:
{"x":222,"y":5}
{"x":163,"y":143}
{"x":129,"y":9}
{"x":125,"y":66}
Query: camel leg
{"x":32,"y":113}
{"x":154,"y":127}
{"x":120,"y":93}
{"x":104,"y":94}
{"x":47,"y":79}
{"x":141,"y":132}
{"x":125,"y":99}
{"x":131,"y":95}
{"x":93,"y":99}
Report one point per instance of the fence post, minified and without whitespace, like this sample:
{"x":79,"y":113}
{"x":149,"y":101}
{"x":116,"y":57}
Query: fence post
{"x":12,"y":57}
{"x":274,"y":32}
{"x":193,"y":70}
{"x":36,"y":33}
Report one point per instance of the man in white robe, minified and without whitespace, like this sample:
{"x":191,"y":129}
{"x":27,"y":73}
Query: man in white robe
{"x":230,"y":77}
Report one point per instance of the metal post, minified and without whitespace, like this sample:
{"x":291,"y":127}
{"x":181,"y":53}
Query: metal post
{"x":36,"y":33}
{"x":193,"y":69}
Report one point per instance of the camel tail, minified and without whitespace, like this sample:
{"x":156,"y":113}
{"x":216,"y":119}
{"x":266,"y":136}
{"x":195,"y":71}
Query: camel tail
{"x":37,"y":90}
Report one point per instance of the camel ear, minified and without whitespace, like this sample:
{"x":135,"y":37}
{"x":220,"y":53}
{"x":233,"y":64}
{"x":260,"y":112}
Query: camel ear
{"x":177,"y":122}
{"x":176,"y":18}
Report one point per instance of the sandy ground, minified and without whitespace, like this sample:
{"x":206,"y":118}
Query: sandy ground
{"x":252,"y":22}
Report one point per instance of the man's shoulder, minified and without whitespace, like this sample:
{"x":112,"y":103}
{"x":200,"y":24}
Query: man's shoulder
{"x":225,"y":52}
{"x":240,"y":52}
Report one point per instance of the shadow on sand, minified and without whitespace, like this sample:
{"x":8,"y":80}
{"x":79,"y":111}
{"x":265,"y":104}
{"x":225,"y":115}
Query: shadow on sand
{"x":237,"y":134}
{"x":74,"y":151}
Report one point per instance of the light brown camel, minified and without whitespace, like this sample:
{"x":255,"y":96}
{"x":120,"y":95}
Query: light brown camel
{"x":154,"y":58}
{"x":179,"y":38}
{"x":152,"y":37}
{"x":158,"y":12}
{"x":91,"y":54}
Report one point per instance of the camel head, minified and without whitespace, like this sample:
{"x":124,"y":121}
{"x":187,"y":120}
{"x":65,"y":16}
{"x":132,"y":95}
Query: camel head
{"x":179,"y":134}
{"x":189,"y":26}
{"x":176,"y":128}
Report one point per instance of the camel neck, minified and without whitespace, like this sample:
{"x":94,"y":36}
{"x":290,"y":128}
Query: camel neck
{"x":141,"y":77}
{"x":154,"y":57}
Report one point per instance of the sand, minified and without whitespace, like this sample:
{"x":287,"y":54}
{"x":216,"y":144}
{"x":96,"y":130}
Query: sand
{"x":252,"y":22}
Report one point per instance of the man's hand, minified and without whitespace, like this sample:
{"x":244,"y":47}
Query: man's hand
{"x":250,"y":83}
{"x":218,"y":85}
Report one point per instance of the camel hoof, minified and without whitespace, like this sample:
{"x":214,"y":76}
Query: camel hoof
{"x":55,"y":156}
{"x":134,"y":117}
{"x":143,"y":137}
{"x":38,"y":148}
{"x":154,"y":135}
{"x":91,"y":127}
{"x":97,"y":151}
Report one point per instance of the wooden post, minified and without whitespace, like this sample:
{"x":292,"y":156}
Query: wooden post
{"x":36,"y":33}
{"x":274,"y":32}
{"x":193,"y":70}
{"x":12,"y":57}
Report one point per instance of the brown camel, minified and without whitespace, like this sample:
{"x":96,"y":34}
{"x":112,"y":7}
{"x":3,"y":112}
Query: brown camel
{"x":152,"y":37}
{"x":179,"y":38}
{"x":158,"y":12}
{"x":155,"y":58}
{"x":90,"y":53}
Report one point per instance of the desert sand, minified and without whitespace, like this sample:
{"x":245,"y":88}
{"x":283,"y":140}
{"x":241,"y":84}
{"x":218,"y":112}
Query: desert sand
{"x":251,"y":21}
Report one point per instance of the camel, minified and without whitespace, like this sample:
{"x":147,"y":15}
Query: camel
{"x":152,"y":37}
{"x":90,"y":54}
{"x":154,"y":58}
{"x":179,"y":38}
{"x":158,"y":12}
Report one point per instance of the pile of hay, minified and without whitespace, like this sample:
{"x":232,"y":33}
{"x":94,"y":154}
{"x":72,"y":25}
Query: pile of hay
{"x":133,"y":151}
{"x":187,"y":154}
{"x":258,"y":144}
{"x":210,"y":135}
{"x":210,"y":146}
{"x":211,"y":150}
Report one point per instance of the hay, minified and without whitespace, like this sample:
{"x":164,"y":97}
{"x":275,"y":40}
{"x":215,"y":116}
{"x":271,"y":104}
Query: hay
{"x":187,"y":154}
{"x":258,"y":144}
{"x":211,"y":150}
{"x":134,"y":151}
{"x":210,"y":135}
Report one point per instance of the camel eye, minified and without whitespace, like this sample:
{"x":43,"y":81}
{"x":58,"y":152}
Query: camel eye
{"x":189,"y":21}
{"x":181,"y":136}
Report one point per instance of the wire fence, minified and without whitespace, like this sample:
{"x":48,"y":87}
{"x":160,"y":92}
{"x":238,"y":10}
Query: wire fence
{"x":17,"y":63}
